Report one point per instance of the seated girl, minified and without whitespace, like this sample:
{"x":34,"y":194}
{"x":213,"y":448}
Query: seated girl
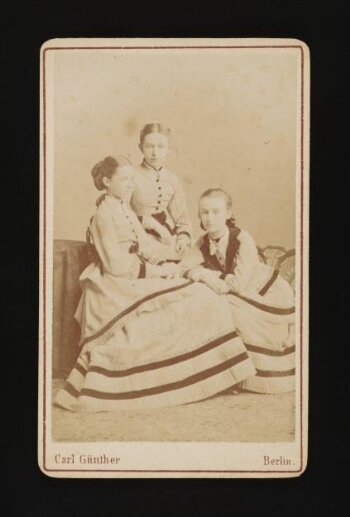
{"x":149,"y":338}
{"x":262,"y":302}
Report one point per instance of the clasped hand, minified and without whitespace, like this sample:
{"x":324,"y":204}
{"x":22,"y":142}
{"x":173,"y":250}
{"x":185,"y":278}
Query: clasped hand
{"x":217,"y":284}
{"x":182,"y":245}
{"x":210,"y":278}
{"x":170,"y":270}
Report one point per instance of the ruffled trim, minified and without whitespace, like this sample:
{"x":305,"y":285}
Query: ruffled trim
{"x":269,"y":385}
{"x":187,"y":381}
{"x":185,"y":350}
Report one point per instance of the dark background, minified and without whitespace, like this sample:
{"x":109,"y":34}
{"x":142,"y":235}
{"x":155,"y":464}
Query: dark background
{"x":322,"y":488}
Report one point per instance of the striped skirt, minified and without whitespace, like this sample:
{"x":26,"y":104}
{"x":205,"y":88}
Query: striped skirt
{"x":267,"y":330}
{"x":180,"y":350}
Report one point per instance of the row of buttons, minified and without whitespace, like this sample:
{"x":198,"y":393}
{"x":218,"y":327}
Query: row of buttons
{"x":159,"y":194}
{"x":130,"y":222}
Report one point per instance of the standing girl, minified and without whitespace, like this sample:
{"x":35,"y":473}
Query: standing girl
{"x":158,"y":198}
{"x":261,"y":301}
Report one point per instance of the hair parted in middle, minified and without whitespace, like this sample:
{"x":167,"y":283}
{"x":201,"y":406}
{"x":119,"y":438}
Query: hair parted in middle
{"x":219,"y":192}
{"x":154,"y":127}
{"x":106,"y":168}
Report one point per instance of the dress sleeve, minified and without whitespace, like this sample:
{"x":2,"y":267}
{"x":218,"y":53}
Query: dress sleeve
{"x":113,"y":253}
{"x":246,"y":261}
{"x":193,"y":264}
{"x":178,"y":210}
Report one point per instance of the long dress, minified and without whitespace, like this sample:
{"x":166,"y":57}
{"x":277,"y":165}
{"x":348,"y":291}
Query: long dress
{"x":147,"y":341}
{"x":262,"y":304}
{"x":159,"y":195}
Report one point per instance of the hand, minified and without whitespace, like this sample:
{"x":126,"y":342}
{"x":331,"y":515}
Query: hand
{"x":182,"y":245}
{"x":231,"y":282}
{"x":170,"y":270}
{"x":164,"y":234}
{"x":216,"y":284}
{"x":155,"y":259}
{"x":195,"y":273}
{"x":152,"y":258}
{"x":185,"y":272}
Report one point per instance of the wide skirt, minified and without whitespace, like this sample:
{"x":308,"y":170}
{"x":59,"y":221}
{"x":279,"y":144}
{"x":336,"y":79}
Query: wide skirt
{"x":175,"y":345}
{"x":266,"y":325}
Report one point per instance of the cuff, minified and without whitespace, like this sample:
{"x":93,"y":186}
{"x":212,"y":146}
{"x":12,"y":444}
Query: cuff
{"x":231,"y":281}
{"x":185,"y":234}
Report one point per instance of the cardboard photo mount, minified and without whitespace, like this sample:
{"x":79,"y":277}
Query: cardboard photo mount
{"x":68,"y":119}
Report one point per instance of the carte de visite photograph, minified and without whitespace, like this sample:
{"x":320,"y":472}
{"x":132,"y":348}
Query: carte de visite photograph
{"x":174,"y":235}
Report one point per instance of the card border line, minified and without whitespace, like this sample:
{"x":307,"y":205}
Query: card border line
{"x":175,"y":47}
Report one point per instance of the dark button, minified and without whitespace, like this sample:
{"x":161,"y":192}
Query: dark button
{"x":159,"y":188}
{"x":158,"y":202}
{"x":157,"y":180}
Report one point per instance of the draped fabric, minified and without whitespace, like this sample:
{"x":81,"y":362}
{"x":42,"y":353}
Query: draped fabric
{"x":71,"y":258}
{"x":159,"y":352}
{"x":146,"y":340}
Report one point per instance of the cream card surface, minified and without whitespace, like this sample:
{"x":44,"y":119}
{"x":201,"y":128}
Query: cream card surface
{"x":174,"y":222}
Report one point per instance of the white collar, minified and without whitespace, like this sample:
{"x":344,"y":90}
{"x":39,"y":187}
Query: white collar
{"x":150,"y":168}
{"x":220,"y":245}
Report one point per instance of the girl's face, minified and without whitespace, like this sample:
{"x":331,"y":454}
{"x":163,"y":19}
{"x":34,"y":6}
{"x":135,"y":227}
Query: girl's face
{"x":213,"y":213}
{"x":155,"y":149}
{"x":121,"y":184}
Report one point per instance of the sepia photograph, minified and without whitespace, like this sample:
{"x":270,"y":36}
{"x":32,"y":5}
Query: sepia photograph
{"x":174,"y":218}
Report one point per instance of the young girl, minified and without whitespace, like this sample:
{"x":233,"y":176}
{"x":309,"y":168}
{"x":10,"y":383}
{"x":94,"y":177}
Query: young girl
{"x":158,"y":198}
{"x":262,"y":301}
{"x":147,"y":340}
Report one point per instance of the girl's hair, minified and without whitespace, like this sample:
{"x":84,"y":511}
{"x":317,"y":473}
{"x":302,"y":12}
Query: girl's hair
{"x":106,"y":168}
{"x":154,"y":127}
{"x":219,"y":192}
